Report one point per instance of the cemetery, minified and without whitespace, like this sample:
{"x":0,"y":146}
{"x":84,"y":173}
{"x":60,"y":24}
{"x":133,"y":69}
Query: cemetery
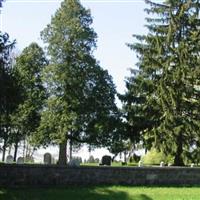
{"x":49,"y":174}
{"x":64,"y":89}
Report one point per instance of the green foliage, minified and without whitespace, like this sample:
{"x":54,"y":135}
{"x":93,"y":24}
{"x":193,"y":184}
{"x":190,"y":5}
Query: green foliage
{"x":154,"y":157}
{"x":28,"y":70}
{"x":140,"y":110}
{"x":8,"y":90}
{"x":169,"y":69}
{"x":81,"y":104}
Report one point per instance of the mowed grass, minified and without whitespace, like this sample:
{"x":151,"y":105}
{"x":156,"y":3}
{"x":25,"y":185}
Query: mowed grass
{"x":103,"y":193}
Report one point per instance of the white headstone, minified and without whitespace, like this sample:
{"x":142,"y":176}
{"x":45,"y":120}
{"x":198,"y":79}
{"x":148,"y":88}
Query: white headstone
{"x":162,"y":164}
{"x":9,"y":159}
{"x":192,"y":165}
{"x":20,"y":160}
{"x":140,"y":164}
{"x":47,"y":158}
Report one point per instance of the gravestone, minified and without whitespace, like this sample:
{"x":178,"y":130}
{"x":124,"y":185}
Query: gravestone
{"x":162,"y":164}
{"x":74,"y":162}
{"x":9,"y":159}
{"x":140,"y":163}
{"x":47,"y":159}
{"x":106,"y":160}
{"x":53,"y":160}
{"x":20,"y":160}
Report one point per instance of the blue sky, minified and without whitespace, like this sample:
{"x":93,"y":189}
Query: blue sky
{"x":114,"y":21}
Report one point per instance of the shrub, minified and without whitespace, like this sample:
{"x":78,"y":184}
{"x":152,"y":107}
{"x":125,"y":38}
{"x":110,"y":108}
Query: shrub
{"x":154,"y":157}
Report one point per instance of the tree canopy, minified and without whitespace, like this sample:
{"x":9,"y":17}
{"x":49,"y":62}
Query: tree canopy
{"x":169,"y":63}
{"x":8,"y":90}
{"x":81,"y":104}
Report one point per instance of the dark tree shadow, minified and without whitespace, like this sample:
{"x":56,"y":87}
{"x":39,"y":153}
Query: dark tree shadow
{"x":94,"y":193}
{"x":144,"y":197}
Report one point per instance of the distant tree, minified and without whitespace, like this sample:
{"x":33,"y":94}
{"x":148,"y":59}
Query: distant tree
{"x":91,"y":159}
{"x":8,"y":90}
{"x":1,"y":1}
{"x":139,"y":108}
{"x":28,"y":71}
{"x":81,"y":102}
{"x":169,"y":61}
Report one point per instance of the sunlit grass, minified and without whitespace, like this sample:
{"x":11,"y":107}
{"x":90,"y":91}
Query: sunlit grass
{"x":103,"y":193}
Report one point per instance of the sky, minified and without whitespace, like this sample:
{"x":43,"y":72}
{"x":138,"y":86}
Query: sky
{"x":115,"y":21}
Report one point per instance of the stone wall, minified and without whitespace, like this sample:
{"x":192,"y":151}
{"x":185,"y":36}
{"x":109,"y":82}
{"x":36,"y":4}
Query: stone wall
{"x":51,"y":175}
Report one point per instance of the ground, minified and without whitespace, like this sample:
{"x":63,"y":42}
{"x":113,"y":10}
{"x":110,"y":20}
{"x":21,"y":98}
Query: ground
{"x":103,"y":193}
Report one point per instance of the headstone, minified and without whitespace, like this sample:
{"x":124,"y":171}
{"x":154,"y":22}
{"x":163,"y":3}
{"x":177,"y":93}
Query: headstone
{"x":192,"y":165}
{"x":53,"y":160}
{"x":106,"y":160}
{"x":140,"y":163}
{"x":162,"y":164}
{"x":74,"y":162}
{"x":47,"y":159}
{"x":20,"y":160}
{"x":9,"y":159}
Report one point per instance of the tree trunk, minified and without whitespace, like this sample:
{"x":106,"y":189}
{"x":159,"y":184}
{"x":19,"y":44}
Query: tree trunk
{"x":62,"y":160}
{"x":9,"y":149}
{"x":70,"y":150}
{"x":4,"y":149}
{"x":4,"y":152}
{"x":15,"y":152}
{"x":125,"y":153}
{"x":24,"y":147}
{"x":178,"y":160}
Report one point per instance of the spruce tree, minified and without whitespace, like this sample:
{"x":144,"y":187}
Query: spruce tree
{"x":140,"y":111}
{"x":169,"y":59}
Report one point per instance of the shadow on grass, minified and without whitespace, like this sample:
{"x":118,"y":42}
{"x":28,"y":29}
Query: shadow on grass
{"x":69,"y":194}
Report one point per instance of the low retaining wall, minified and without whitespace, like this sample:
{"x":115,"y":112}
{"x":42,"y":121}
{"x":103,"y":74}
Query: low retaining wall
{"x":12,"y":175}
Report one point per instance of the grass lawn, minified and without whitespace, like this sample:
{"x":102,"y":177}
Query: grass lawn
{"x":103,"y":193}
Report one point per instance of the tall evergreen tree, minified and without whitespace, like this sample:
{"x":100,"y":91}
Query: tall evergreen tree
{"x":140,"y":111}
{"x":81,"y":94}
{"x":169,"y":59}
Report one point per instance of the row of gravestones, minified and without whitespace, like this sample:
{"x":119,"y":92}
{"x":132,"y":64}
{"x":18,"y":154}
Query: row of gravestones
{"x":10,"y":159}
{"x":48,"y":159}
